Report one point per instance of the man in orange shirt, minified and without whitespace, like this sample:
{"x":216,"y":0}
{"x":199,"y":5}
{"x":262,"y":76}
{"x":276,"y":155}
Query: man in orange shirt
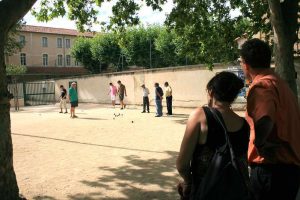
{"x":274,"y":118}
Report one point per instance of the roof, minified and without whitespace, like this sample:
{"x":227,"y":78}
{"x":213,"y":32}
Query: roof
{"x":50,"y":30}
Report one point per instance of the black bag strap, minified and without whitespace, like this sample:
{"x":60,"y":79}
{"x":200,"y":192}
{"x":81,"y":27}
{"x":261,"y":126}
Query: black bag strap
{"x":222,"y":123}
{"x":232,"y":155}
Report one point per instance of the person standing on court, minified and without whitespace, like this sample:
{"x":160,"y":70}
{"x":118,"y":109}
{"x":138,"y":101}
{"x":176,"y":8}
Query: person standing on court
{"x":274,"y":118}
{"x":158,"y":100}
{"x":122,"y":92}
{"x":112,"y":92}
{"x":145,"y":98}
{"x":168,"y":93}
{"x":73,"y":98}
{"x":63,"y":99}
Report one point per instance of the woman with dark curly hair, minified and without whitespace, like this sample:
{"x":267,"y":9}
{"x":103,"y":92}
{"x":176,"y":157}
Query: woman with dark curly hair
{"x":203,"y":136}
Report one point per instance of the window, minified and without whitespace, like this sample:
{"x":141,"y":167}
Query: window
{"x":76,"y":63}
{"x":45,"y":59}
{"x":23,"y":59}
{"x":44,"y":42}
{"x":59,"y":43}
{"x":68,"y":60}
{"x":22,"y":40}
{"x":68,"y":43}
{"x":59,"y":60}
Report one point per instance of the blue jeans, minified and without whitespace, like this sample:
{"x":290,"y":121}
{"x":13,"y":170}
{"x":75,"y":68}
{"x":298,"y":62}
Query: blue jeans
{"x":158,"y":107}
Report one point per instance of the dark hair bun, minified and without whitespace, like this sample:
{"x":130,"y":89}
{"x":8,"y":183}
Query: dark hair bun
{"x":225,"y":86}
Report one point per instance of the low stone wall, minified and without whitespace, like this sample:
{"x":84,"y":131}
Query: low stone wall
{"x":188,"y":84}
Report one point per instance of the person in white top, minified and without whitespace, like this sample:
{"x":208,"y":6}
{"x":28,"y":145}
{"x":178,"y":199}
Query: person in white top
{"x":145,"y":99}
{"x":112,"y":92}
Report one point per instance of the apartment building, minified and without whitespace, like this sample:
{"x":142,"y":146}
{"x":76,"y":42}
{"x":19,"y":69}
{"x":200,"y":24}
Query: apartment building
{"x":46,"y":47}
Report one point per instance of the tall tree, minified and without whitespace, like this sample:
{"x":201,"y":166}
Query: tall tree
{"x":12,"y":45}
{"x":284,"y":20}
{"x":81,"y":51}
{"x":11,"y":11}
{"x":106,"y":50}
{"x":207,"y":28}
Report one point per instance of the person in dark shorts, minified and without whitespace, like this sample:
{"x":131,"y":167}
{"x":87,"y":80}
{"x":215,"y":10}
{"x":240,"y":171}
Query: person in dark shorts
{"x":122,"y":92}
{"x":63,"y":99}
{"x":73,"y":97}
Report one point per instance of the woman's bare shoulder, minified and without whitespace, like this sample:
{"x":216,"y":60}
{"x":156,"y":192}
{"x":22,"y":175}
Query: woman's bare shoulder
{"x":197,"y":115}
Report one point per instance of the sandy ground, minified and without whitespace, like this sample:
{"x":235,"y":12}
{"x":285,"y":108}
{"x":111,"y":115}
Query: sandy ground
{"x":98,"y":155}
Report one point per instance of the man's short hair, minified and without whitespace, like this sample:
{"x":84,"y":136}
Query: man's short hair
{"x":61,"y":86}
{"x":110,"y":83}
{"x":256,"y":53}
{"x":119,"y":81}
{"x":156,"y":84}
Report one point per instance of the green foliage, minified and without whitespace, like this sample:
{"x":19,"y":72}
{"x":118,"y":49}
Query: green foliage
{"x":257,"y":12}
{"x":15,"y":70}
{"x":149,"y":47}
{"x":168,"y":44}
{"x":13,"y":44}
{"x":106,"y":50}
{"x":135,"y":44}
{"x":81,"y":51}
{"x":206,"y":29}
{"x":83,"y":12}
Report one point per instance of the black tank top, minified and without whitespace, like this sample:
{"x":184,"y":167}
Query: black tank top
{"x":215,"y":139}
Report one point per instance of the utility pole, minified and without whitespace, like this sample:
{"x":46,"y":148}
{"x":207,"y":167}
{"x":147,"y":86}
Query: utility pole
{"x":150,"y":55}
{"x":122,"y":61}
{"x":100,"y":68}
{"x":185,"y":60}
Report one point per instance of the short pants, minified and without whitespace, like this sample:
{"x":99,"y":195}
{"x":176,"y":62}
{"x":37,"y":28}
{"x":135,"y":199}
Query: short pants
{"x":74,"y":104}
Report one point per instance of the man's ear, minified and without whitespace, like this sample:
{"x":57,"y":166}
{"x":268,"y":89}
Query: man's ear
{"x":247,"y":66}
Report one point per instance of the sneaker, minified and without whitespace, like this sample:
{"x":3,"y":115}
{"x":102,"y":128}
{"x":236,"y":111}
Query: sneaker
{"x":75,"y":116}
{"x":158,"y":115}
{"x":121,"y":108}
{"x":148,"y":111}
{"x":65,"y":112}
{"x":143,"y":111}
{"x":60,"y":112}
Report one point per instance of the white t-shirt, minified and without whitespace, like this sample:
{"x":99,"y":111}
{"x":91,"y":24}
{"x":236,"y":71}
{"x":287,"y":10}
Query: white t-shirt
{"x":145,"y":92}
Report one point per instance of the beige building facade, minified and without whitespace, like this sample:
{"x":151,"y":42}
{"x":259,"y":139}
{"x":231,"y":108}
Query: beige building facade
{"x":46,"y":47}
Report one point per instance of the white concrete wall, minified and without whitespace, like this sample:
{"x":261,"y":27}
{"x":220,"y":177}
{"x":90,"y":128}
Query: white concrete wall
{"x":188,"y":84}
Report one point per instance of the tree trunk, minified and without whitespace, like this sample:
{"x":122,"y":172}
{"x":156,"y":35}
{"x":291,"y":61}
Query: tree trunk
{"x":8,"y":183}
{"x":11,"y":11}
{"x":284,"y":22}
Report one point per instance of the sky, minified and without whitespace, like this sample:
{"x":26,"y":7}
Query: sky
{"x":146,"y":15}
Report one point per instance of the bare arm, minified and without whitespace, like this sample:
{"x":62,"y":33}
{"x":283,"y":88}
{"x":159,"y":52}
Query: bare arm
{"x":125,"y":91}
{"x":189,"y":142}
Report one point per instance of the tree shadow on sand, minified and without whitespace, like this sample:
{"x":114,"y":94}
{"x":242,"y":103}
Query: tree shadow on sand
{"x":138,"y":179}
{"x":44,"y":197}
